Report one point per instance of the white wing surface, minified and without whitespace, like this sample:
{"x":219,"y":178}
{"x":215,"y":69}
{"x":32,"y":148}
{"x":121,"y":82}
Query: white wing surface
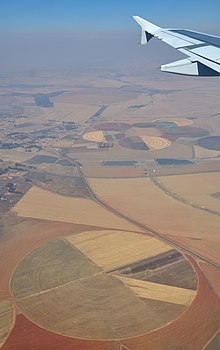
{"x":203,"y":50}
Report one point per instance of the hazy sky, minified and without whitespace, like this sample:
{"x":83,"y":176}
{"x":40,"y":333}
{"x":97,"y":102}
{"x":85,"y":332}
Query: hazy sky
{"x":104,"y":14}
{"x":45,"y":34}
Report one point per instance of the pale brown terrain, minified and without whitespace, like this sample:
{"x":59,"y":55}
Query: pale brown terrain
{"x":196,"y":188}
{"x":152,"y":207}
{"x":74,"y":272}
{"x":42,"y":204}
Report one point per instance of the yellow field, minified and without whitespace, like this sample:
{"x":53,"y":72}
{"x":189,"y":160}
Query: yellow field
{"x":155,"y":143}
{"x":160,"y":292}
{"x":142,"y":200}
{"x":178,"y":122}
{"x":42,"y":204}
{"x":95,"y":136}
{"x":6,"y":318}
{"x":197,"y":188}
{"x":113,"y":249}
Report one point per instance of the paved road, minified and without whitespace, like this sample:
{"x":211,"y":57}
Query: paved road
{"x":144,"y":227}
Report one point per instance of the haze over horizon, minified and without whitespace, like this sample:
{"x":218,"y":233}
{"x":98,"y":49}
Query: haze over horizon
{"x":47,"y":34}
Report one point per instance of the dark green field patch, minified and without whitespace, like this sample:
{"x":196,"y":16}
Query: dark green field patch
{"x":134,"y":142}
{"x":39,"y":159}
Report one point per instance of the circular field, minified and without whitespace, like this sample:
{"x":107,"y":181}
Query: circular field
{"x":94,"y":136}
{"x":145,"y":143}
{"x":6,"y":318}
{"x":103,"y":136}
{"x":156,"y":143}
{"x":212,"y":142}
{"x":113,"y":126}
{"x":76,"y":287}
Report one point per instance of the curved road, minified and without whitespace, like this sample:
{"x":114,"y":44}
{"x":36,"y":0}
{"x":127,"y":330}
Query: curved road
{"x":142,"y":226}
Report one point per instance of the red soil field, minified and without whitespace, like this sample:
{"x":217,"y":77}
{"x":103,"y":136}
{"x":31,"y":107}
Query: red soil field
{"x":29,"y":235}
{"x":192,"y":330}
{"x":207,"y":248}
{"x":213,"y":276}
{"x":26,"y":335}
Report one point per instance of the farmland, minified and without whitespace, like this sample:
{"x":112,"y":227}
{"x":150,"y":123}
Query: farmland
{"x":109,"y":222}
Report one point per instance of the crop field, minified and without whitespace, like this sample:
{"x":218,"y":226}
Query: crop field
{"x":6,"y":318}
{"x":211,"y":142}
{"x":113,"y":126}
{"x":42,"y":204}
{"x":69,"y":111}
{"x":100,"y":304}
{"x":196,"y":188}
{"x":113,"y":171}
{"x":160,"y":292}
{"x":162,"y":212}
{"x":155,"y":143}
{"x":53,"y":264}
{"x":96,"y":136}
{"x":199,"y":322}
{"x":25,"y":332}
{"x":169,"y":268}
{"x":177,"y":121}
{"x":30,"y":234}
{"x":113,"y":249}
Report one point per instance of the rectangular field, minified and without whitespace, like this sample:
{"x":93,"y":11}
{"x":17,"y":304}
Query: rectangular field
{"x":113,"y":249}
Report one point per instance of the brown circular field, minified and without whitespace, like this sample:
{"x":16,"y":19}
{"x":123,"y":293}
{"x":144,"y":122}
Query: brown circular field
{"x":145,"y":143}
{"x":113,"y":126}
{"x":211,"y":142}
{"x":74,"y":287}
{"x":173,"y":133}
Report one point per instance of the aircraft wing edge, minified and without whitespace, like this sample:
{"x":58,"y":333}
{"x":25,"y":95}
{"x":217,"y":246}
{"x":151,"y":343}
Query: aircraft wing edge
{"x":193,"y":65}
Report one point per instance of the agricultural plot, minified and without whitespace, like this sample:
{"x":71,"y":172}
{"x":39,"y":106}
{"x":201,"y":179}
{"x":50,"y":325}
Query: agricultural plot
{"x":142,"y":200}
{"x":113,"y":171}
{"x":176,"y":121}
{"x":26,"y":236}
{"x":113,"y":249}
{"x":96,"y":136}
{"x":156,"y":143}
{"x":53,"y":264}
{"x":6,"y":318}
{"x":191,"y":331}
{"x":196,"y":188}
{"x":92,"y":308}
{"x":156,"y":291}
{"x":145,"y":143}
{"x":169,"y":268}
{"x":42,"y":204}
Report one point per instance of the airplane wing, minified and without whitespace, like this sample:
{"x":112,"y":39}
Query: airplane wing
{"x":203,"y":50}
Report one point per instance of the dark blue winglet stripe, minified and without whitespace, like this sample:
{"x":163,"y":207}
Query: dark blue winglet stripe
{"x":198,"y":36}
